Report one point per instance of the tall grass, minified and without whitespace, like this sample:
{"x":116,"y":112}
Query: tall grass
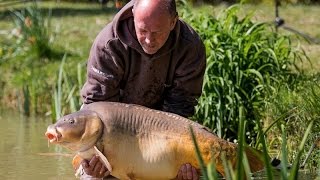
{"x":245,"y":62}
{"x":295,"y":108}
{"x":66,"y":91}
{"x":242,"y":170}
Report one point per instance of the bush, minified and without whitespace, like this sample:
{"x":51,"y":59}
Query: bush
{"x":245,"y":61}
{"x":34,"y":32}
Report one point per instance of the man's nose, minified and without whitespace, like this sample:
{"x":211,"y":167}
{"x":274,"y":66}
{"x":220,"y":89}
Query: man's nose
{"x":149,"y":38}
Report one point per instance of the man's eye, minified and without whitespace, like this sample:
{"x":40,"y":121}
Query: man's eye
{"x":157,"y":33}
{"x":143,"y":32}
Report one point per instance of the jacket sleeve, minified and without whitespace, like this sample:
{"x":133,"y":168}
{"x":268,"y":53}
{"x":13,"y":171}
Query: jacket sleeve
{"x":186,"y":88}
{"x":104,"y":73}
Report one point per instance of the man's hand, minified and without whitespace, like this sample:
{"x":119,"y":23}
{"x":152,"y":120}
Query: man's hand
{"x":95,"y":167}
{"x":187,"y":171}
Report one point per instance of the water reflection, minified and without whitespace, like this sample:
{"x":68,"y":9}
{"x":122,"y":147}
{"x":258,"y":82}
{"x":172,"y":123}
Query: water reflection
{"x":24,"y":152}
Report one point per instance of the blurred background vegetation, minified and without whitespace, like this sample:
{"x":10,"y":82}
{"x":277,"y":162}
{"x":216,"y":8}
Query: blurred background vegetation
{"x":269,"y":77}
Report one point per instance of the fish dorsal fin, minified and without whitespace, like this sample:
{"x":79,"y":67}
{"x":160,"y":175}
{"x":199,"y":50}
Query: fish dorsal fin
{"x":103,"y":158}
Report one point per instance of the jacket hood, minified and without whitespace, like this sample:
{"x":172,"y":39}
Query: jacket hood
{"x":123,"y":27}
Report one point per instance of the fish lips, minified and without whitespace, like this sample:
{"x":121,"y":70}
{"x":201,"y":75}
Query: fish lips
{"x":53,"y":135}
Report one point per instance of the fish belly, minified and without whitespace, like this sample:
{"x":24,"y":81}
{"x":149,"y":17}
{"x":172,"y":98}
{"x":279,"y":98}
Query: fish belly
{"x":148,"y":156}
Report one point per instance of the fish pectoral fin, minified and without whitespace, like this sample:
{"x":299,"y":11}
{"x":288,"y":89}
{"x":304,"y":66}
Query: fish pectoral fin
{"x":104,"y":159}
{"x":76,"y":162}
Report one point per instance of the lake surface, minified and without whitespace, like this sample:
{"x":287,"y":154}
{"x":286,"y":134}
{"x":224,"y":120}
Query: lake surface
{"x":24,"y":151}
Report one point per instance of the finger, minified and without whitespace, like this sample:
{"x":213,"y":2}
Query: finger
{"x":85,"y":166}
{"x":104,"y":171}
{"x":195,"y":174}
{"x":87,"y":169}
{"x":189,"y":171}
{"x":184,"y":171}
{"x":94,"y":160}
{"x":180,"y":176}
{"x":97,"y":168}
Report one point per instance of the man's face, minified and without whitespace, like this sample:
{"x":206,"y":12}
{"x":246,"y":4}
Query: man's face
{"x":152,"y":30}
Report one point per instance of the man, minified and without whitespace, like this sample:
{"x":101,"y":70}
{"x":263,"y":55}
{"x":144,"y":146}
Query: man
{"x":146,"y":56}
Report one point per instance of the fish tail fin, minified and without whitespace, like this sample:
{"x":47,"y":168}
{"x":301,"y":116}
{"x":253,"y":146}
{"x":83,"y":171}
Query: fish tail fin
{"x":255,"y":159}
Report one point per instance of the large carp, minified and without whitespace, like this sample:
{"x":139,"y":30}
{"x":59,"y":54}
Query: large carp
{"x":136,"y":142}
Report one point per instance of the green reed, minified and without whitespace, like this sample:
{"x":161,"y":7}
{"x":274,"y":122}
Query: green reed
{"x":66,"y":92}
{"x":296,"y":164}
{"x":26,"y":102}
{"x":57,"y":98}
{"x":201,"y":162}
{"x":242,"y":169}
{"x":284,"y":154}
{"x":209,"y":172}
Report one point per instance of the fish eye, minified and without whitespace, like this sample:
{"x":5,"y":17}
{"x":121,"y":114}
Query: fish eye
{"x":71,"y":121}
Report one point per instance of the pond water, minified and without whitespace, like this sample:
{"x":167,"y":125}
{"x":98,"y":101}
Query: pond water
{"x":24,"y":151}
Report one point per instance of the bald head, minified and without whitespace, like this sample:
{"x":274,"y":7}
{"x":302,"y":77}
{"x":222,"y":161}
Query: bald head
{"x":160,"y":6}
{"x":153,"y":22}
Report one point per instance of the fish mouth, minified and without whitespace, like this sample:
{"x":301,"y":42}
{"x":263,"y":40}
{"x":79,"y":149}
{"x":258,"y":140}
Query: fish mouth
{"x":53,"y":135}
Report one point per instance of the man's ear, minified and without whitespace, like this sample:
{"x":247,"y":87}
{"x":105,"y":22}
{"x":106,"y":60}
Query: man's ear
{"x":173,"y":23}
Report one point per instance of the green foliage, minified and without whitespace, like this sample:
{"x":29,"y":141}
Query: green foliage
{"x":29,"y":58}
{"x":209,"y":171}
{"x":244,"y":61}
{"x":26,"y":104}
{"x":296,"y":164}
{"x":295,"y":108}
{"x":241,"y":149}
{"x":66,"y":91}
{"x":35,"y":32}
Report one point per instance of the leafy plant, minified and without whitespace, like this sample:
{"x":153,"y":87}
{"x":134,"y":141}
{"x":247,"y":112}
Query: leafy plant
{"x":245,"y":62}
{"x":35,"y":31}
